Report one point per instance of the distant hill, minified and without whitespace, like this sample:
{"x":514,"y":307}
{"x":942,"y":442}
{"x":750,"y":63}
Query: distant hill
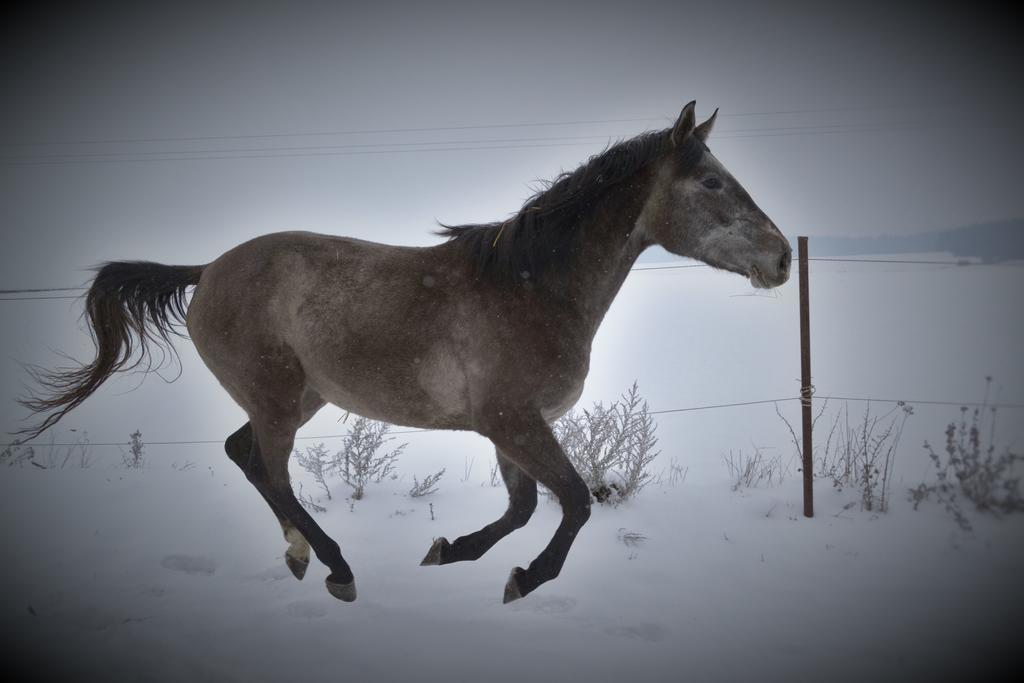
{"x":991,"y":242}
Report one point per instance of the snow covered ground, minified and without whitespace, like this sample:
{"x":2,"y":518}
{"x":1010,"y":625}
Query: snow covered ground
{"x":175,"y":571}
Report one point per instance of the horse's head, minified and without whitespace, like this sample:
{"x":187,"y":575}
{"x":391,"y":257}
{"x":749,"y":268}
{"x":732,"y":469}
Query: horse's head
{"x":697,"y":209}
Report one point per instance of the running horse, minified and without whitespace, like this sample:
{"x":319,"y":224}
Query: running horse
{"x":489,"y":331}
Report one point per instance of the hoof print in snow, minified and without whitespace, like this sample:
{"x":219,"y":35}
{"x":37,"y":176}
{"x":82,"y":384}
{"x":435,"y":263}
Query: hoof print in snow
{"x":554,"y":605}
{"x":550,"y":604}
{"x":306,"y":609}
{"x":651,"y":633}
{"x":275,"y":573}
{"x":188,"y":564}
{"x":154,"y":591}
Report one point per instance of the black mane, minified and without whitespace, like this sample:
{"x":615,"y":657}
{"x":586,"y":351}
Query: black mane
{"x":540,"y":234}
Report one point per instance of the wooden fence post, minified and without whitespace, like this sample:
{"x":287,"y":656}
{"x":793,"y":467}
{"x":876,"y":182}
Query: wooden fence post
{"x":806,"y":388}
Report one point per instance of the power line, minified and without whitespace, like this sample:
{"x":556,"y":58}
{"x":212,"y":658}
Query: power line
{"x":826,"y":127}
{"x":837,"y":109}
{"x":396,"y":148}
{"x":960,"y":263}
{"x":301,"y":149}
{"x":870,"y":260}
{"x":863,"y":128}
{"x":324,"y":437}
{"x":687,"y":265}
{"x":723,"y":405}
{"x":912,"y":402}
{"x":354,"y":152}
{"x":42,"y":289}
{"x":36,"y":298}
{"x":404,"y":431}
{"x":327,"y":133}
{"x":83,"y":289}
{"x":428,"y":129}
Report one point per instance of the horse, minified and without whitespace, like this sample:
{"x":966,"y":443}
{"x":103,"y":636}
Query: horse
{"x":489,"y":330}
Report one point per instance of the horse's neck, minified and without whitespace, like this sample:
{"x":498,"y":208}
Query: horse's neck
{"x":609,"y":244}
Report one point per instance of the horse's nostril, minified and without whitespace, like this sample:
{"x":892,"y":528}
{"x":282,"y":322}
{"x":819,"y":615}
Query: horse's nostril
{"x":784,"y":263}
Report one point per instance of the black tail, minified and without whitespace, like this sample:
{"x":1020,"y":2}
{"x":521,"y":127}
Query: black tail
{"x":130,"y":305}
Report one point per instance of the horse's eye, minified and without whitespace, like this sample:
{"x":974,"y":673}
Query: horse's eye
{"x":712,"y":183}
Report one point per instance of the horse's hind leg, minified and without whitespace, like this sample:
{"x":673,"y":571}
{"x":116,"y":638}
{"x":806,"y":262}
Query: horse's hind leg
{"x":526,"y":439}
{"x":240,"y":448}
{"x":522,"y":501}
{"x":269,"y":474}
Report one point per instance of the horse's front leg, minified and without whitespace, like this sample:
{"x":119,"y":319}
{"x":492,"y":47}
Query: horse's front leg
{"x":526,"y":440}
{"x":522,"y":501}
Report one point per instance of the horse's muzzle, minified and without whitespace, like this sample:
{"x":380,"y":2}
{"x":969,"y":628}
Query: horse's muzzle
{"x":772,"y":270}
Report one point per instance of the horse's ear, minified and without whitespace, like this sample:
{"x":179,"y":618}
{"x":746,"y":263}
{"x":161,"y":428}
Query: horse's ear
{"x":704,"y":130}
{"x":684,"y":124}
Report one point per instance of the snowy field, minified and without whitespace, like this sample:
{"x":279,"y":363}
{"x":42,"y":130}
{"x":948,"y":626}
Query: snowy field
{"x":175,"y":572}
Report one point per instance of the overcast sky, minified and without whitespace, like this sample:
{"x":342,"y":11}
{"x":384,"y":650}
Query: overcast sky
{"x":130,"y":132}
{"x":935,"y":88}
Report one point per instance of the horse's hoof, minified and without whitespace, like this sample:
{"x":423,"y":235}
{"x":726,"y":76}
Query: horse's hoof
{"x":436,"y":553}
{"x":298,"y":567}
{"x":512,"y":591}
{"x":346,"y":592}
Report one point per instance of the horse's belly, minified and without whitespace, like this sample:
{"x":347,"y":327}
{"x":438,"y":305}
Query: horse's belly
{"x":560,"y":405}
{"x":424,"y":392}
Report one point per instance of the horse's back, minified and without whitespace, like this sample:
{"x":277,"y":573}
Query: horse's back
{"x":370,"y":327}
{"x":277,"y":277}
